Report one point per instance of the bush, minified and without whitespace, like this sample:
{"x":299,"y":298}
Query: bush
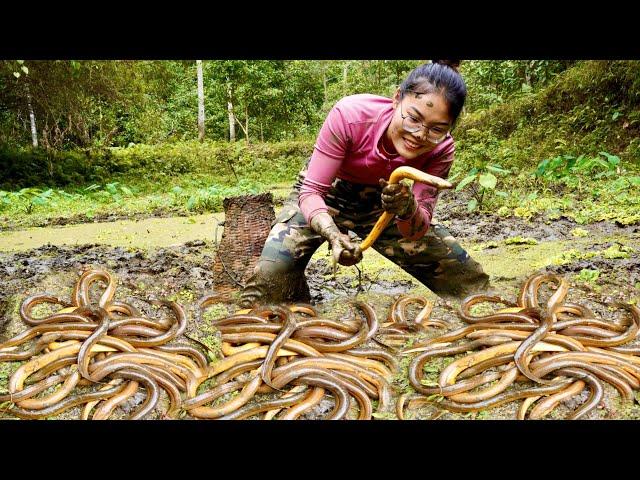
{"x":267,"y":161}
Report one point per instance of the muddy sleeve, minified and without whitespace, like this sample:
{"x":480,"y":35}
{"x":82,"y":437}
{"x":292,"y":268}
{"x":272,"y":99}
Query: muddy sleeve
{"x":426,"y":196}
{"x":329,"y":152}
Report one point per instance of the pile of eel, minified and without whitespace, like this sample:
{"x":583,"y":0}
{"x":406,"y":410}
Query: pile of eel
{"x":542,"y":353}
{"x":280,"y":361}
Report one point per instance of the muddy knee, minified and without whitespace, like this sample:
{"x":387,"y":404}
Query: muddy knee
{"x":275,"y":282}
{"x":452,"y":278}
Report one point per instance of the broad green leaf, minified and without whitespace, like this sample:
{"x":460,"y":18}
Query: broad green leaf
{"x":16,"y":74}
{"x":471,"y":206}
{"x":497,"y":169}
{"x":453,"y":177}
{"x":612,"y":159}
{"x":502,"y":194}
{"x":25,"y":69}
{"x":488,"y":180}
{"x":191,"y":202}
{"x":126,"y":190}
{"x":464,"y":182}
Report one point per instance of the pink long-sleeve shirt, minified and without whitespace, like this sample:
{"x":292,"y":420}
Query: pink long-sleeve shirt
{"x":347,"y":148}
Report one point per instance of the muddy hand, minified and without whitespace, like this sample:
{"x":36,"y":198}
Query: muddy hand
{"x":345,"y":252}
{"x":397,"y":199}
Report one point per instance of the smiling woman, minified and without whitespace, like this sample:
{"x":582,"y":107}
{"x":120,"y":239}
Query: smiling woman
{"x":344,"y":188}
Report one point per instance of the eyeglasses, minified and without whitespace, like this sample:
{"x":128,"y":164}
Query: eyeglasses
{"x":411,"y":124}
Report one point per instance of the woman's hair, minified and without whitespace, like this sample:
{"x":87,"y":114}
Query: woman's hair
{"x":438,"y":76}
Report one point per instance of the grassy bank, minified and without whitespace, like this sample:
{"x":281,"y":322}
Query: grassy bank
{"x":571,"y":149}
{"x":182,"y":178}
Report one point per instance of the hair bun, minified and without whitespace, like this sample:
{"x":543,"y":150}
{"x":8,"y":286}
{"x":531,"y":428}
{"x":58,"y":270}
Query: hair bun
{"x":455,"y":64}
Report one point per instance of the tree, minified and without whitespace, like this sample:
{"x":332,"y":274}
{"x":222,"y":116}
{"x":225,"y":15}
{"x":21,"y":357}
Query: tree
{"x":200,"y":102}
{"x":232,"y":119}
{"x":32,"y":117}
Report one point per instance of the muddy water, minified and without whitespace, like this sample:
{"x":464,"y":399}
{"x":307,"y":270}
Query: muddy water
{"x":145,"y":233}
{"x":173,"y":257}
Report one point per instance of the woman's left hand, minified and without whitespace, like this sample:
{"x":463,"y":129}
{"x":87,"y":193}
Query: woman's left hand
{"x":398,"y":199}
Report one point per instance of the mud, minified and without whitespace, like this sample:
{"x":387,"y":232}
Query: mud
{"x":482,"y":227}
{"x":185,"y":272}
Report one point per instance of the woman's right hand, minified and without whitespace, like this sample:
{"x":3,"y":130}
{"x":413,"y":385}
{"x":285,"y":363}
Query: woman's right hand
{"x":345,"y":252}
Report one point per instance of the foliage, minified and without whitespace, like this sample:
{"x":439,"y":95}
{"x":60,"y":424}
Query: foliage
{"x":481,"y":179}
{"x":99,"y":104}
{"x":575,"y":113}
{"x":518,"y":240}
{"x":493,"y":82}
{"x":617,"y":251}
{"x":269,"y":162}
{"x":567,"y":146}
{"x":564,"y":166}
{"x":588,"y":275}
{"x":147,"y":182}
{"x":579,"y":232}
{"x":210,"y":198}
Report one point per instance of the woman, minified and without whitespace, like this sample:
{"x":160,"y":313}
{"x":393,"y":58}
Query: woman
{"x":344,"y":188}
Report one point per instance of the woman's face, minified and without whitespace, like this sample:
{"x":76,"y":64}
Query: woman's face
{"x":430,"y":109}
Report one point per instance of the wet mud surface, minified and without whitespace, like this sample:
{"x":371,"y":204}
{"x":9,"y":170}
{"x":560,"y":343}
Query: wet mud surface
{"x":185,"y":272}
{"x":483,"y":227}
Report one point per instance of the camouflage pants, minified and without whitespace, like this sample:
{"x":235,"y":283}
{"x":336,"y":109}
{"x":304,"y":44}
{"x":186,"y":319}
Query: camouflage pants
{"x":437,"y":259}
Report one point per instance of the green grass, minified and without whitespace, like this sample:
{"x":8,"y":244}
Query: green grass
{"x":183,"y":195}
{"x":181,"y":178}
{"x":613,"y":199}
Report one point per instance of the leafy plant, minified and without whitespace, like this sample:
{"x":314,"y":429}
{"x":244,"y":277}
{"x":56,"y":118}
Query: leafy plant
{"x":617,"y":251}
{"x":588,"y":275}
{"x":564,"y":166}
{"x":210,"y":199}
{"x":28,"y":198}
{"x":518,"y":240}
{"x":111,"y":191}
{"x":482,"y":181}
{"x":579,"y":232}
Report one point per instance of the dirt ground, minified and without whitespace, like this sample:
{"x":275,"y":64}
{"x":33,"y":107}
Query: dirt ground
{"x":184,"y":273}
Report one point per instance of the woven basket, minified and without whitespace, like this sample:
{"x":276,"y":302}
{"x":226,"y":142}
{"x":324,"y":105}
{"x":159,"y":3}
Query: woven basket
{"x":247,"y":224}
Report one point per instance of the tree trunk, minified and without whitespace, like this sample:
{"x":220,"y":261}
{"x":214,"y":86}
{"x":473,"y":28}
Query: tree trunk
{"x":246,"y":122}
{"x":200,"y":102}
{"x":232,"y":121}
{"x":32,"y":119}
{"x":244,"y":127}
